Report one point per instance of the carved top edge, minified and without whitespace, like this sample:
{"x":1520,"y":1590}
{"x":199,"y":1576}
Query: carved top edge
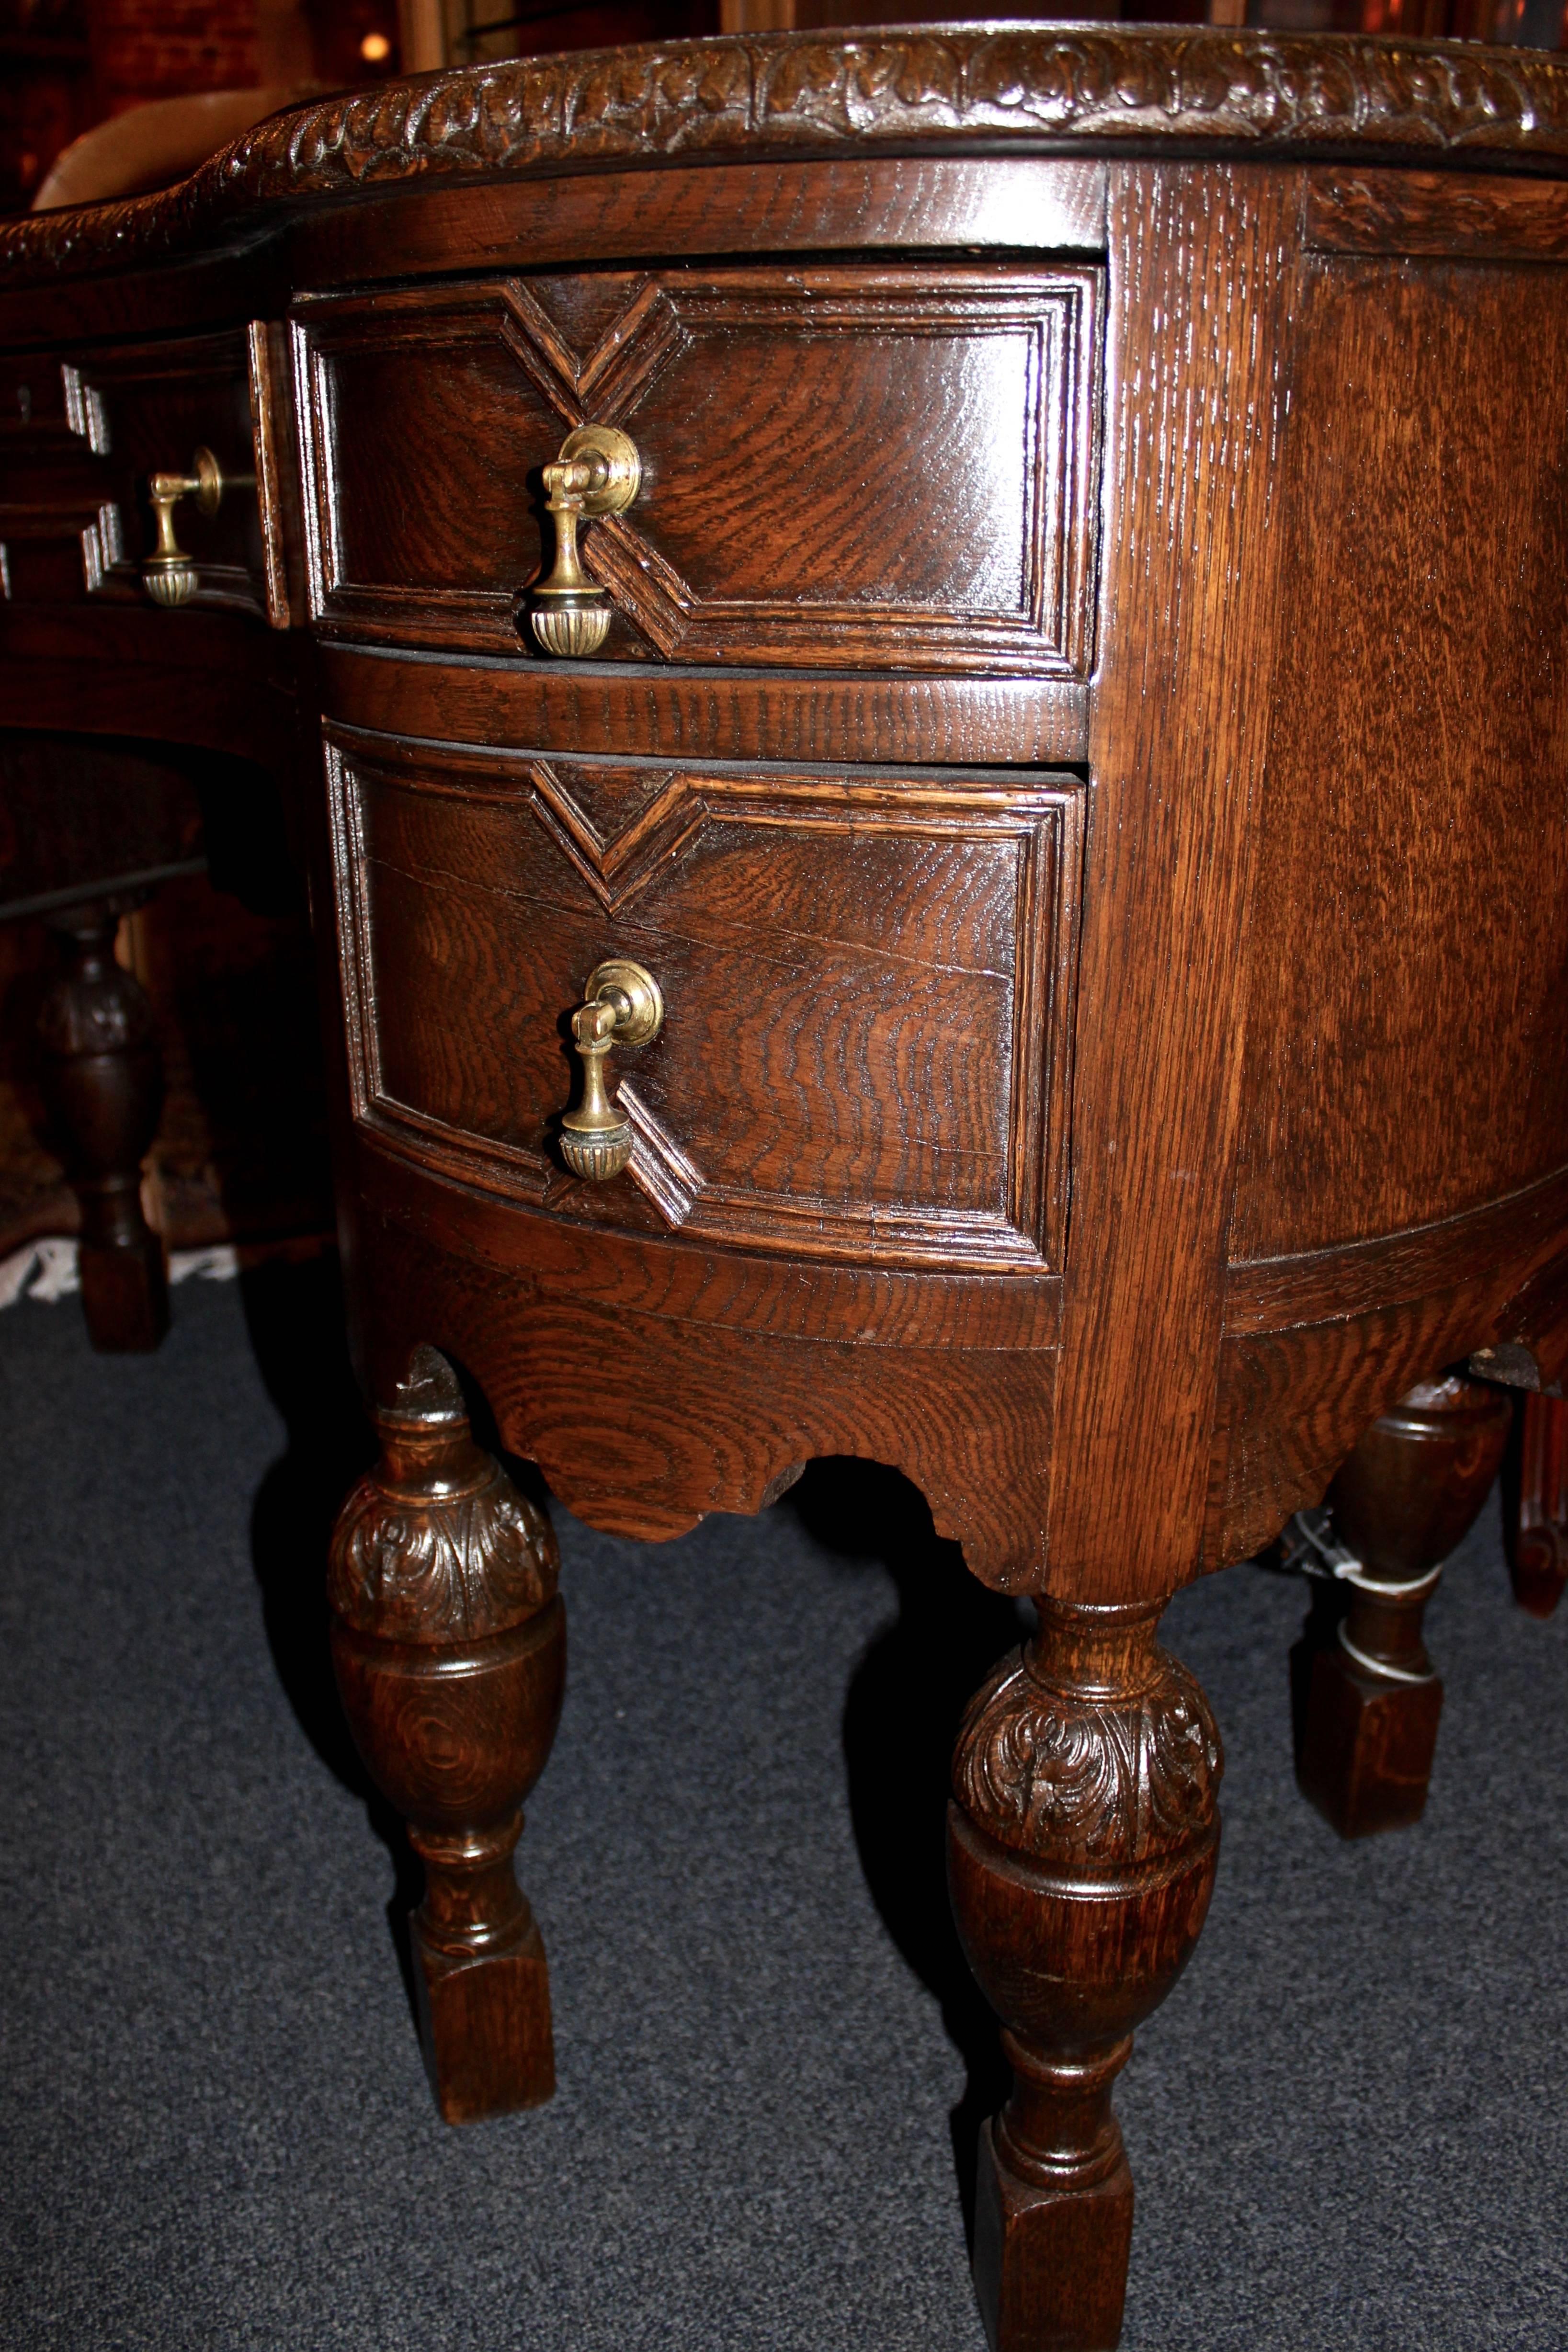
{"x":994,"y":85}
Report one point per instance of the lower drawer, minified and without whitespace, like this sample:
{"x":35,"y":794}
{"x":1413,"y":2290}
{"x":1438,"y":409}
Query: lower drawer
{"x":867,"y":979}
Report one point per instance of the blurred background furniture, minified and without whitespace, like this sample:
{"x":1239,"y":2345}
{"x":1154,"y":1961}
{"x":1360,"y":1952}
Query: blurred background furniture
{"x":200,"y":1101}
{"x":1535,"y":1512}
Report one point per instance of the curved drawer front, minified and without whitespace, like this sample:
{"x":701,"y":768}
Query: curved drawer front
{"x":866,"y":978}
{"x":859,"y":467}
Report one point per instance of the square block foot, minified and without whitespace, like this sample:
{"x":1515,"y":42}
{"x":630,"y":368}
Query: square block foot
{"x":1367,"y":1747}
{"x":1050,"y":2264}
{"x":484,"y":2025}
{"x":124,"y":1295}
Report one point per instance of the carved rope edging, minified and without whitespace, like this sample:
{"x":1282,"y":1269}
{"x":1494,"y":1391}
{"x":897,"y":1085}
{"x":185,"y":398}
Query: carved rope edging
{"x":1070,"y":1776}
{"x":820,"y":93}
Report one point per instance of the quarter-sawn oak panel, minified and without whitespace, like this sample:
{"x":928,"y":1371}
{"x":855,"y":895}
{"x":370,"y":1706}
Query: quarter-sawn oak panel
{"x":866,"y":979}
{"x":843,"y":467}
{"x":1412,"y":850}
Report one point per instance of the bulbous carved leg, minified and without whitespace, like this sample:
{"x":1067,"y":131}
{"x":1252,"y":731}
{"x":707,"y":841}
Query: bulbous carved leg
{"x":104,"y":1084}
{"x":1082,"y":1839}
{"x":1403,"y":1501}
{"x":449,"y":1642}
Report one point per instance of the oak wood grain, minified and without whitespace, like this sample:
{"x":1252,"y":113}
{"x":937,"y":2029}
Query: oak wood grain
{"x":1293,"y":1403}
{"x":1191,"y":89}
{"x":1112,"y":1228}
{"x":1177,"y":745}
{"x":1514,"y":1236}
{"x":1415,"y":713}
{"x":964,"y":1423}
{"x":688,"y":712}
{"x":1431,"y":213}
{"x":868,"y":984}
{"x":920,"y":499}
{"x":662,"y":1274}
{"x":1052,"y":205}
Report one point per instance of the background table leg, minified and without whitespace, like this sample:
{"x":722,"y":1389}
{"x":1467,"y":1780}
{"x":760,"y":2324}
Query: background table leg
{"x":104,"y":1085}
{"x":449,"y":1642}
{"x":1083,"y":1836}
{"x":1407,"y":1496}
{"x":1537,"y":1516}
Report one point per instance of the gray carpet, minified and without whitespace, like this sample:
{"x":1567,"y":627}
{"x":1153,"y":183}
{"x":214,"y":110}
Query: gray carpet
{"x":1348,"y":2126}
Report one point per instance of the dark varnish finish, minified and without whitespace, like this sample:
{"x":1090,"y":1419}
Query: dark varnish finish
{"x":1537,"y":1514}
{"x":867,"y":978}
{"x":1415,"y":715}
{"x":1079,"y":743}
{"x":1408,"y":1496}
{"x":690,"y":712}
{"x":450,"y":1643}
{"x":1082,"y":1841}
{"x":103,"y":1083}
{"x":922,"y":542}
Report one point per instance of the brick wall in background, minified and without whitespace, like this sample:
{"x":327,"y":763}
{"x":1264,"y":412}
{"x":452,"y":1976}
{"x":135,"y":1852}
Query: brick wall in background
{"x":162,"y":48}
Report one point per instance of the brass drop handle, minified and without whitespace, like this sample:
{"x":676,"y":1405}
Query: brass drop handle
{"x":624,"y":1008}
{"x":169,"y":575}
{"x":598,"y":472}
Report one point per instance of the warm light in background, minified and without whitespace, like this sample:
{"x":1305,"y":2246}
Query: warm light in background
{"x":375,"y":48}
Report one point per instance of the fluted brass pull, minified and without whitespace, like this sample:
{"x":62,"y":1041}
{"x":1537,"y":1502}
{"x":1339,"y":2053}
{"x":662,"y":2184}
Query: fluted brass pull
{"x":624,"y":1008}
{"x":598,"y":473}
{"x":169,"y":575}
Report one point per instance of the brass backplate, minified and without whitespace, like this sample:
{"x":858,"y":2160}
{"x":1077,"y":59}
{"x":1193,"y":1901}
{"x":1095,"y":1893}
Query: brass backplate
{"x":641,"y":990}
{"x":617,"y":453}
{"x":208,"y":475}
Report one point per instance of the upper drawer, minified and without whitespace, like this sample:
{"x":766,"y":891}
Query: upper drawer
{"x":848,"y":468}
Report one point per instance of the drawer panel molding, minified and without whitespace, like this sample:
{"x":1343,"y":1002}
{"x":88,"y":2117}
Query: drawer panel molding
{"x":866,"y":976}
{"x":848,"y":468}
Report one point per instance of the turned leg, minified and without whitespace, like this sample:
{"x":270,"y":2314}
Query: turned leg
{"x":1082,"y":1841}
{"x":104,"y":1085}
{"x":449,"y":1642}
{"x":1403,"y":1501}
{"x":1537,"y":1516}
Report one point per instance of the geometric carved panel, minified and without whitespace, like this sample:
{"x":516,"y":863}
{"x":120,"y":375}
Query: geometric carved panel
{"x":853,"y":467}
{"x":867,"y":978}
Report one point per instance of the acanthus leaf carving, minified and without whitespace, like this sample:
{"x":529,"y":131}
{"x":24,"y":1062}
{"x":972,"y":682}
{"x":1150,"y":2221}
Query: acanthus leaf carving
{"x":436,"y":1545}
{"x":815,"y":93}
{"x":1090,"y":1777}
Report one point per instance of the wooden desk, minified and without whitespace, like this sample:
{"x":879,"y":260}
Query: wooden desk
{"x":1072,"y":721}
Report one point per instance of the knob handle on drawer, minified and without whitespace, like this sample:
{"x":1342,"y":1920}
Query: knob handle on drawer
{"x":598,"y":473}
{"x":624,"y":1008}
{"x":169,"y":575}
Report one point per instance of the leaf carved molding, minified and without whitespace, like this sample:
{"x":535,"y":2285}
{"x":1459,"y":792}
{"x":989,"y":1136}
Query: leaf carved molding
{"x":1089,"y":1777}
{"x":1109,"y":89}
{"x":436,"y":1543}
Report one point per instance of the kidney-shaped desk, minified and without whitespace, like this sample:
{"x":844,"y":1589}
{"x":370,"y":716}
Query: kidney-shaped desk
{"x":922,"y":675}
